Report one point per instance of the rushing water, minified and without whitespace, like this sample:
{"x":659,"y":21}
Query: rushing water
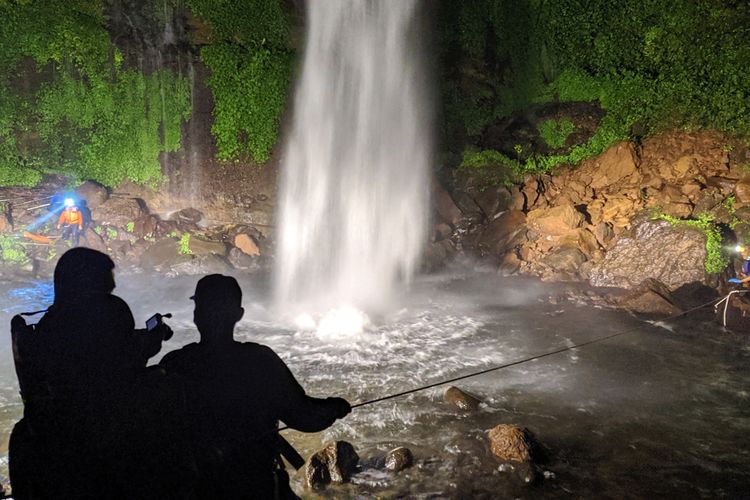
{"x":353,"y":198}
{"x":652,"y":414}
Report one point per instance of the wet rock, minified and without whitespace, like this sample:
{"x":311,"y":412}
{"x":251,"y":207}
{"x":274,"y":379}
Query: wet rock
{"x":563,"y":263}
{"x":742,"y":191}
{"x":461,"y":399}
{"x":94,"y":194}
{"x":650,"y":297}
{"x":246,"y":244}
{"x":673,"y":255}
{"x":162,"y":254}
{"x":554,"y":221}
{"x":117,"y":211}
{"x":603,"y":233}
{"x":734,"y":313}
{"x":504,"y":233}
{"x":240,"y":260}
{"x":92,"y":240}
{"x":441,"y":231}
{"x":200,"y":246}
{"x":399,"y":459}
{"x":166,"y":228}
{"x":203,"y":264}
{"x":145,"y":225}
{"x":692,"y":295}
{"x":437,"y":255}
{"x":443,"y":204}
{"x":510,"y":443}
{"x":188,"y":216}
{"x":614,"y":165}
{"x":334,"y":463}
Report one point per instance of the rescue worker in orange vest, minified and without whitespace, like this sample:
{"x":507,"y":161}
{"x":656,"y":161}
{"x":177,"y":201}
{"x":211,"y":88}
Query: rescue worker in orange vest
{"x":71,"y":221}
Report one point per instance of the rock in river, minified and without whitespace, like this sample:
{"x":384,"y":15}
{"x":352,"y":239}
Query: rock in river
{"x":461,"y":399}
{"x":334,"y":463}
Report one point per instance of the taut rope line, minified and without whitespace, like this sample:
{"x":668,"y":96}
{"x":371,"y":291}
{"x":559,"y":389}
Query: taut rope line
{"x":524,"y":360}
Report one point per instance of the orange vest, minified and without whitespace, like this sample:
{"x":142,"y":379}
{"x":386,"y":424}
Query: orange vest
{"x":72,"y":217}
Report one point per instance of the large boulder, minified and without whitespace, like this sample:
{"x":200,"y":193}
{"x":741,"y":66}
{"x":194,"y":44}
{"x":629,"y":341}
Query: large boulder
{"x":510,"y":443}
{"x":162,"y":254}
{"x":444,"y":205}
{"x":94,"y":194}
{"x":503,"y":233}
{"x":334,"y":463}
{"x":203,"y":264}
{"x":118,"y":211}
{"x":240,"y":260}
{"x":246,"y":244}
{"x":201,"y":246}
{"x":614,"y":165}
{"x":650,"y":297}
{"x":461,"y":399}
{"x":399,"y":459}
{"x":673,"y":255}
{"x":554,"y":221}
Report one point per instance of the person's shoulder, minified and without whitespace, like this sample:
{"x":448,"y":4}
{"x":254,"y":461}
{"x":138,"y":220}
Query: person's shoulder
{"x":179,"y":355}
{"x":257,"y":350}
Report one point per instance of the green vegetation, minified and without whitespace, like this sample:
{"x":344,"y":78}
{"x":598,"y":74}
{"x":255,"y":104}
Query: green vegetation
{"x":648,"y":64}
{"x":491,"y":168}
{"x":184,"y":248}
{"x":70,"y":104}
{"x":130,"y":226}
{"x":12,"y":250}
{"x":250,"y":71}
{"x":556,"y":132}
{"x":716,"y":259}
{"x":111,"y":233}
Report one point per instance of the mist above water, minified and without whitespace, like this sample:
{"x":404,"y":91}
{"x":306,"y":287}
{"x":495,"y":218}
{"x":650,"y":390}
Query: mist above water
{"x":354,"y":185}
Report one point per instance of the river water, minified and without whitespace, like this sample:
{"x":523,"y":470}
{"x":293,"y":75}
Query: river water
{"x":654,"y":413}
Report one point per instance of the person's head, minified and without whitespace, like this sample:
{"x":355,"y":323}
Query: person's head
{"x":83,"y":270}
{"x":218,"y":306}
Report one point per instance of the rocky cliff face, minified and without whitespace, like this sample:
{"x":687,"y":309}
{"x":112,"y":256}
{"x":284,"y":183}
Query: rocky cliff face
{"x":602,"y":220}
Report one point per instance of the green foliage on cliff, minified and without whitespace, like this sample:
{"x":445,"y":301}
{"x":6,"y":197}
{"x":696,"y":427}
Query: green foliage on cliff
{"x":491,"y":167}
{"x":649,"y":64}
{"x":555,"y":132}
{"x":68,"y":103}
{"x":250,"y":71}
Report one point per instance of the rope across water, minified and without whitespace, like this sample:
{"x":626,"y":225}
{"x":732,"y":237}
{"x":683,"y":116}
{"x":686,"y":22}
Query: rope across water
{"x":524,"y":360}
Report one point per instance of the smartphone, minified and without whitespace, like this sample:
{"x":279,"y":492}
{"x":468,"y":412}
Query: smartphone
{"x":153,"y":322}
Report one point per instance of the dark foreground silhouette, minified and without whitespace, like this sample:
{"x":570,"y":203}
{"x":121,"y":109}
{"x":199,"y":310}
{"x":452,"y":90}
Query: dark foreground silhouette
{"x":237,"y":393}
{"x":97,"y":423}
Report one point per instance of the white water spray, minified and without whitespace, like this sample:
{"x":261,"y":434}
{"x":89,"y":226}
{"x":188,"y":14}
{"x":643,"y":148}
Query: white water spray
{"x":354,"y":186}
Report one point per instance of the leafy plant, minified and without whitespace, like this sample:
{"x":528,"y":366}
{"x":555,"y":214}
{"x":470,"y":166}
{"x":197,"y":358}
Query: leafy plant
{"x":111,"y":233}
{"x":12,"y":250}
{"x":130,"y":226}
{"x":184,"y":244}
{"x":555,"y":132}
{"x":491,"y":167}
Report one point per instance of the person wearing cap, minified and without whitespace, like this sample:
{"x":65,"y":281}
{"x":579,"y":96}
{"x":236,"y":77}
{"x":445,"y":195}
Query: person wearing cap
{"x":237,"y":392}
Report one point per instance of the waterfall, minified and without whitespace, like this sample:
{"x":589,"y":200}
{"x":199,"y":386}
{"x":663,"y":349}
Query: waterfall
{"x":354,"y":184}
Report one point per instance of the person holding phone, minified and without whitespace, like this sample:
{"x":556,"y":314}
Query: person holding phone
{"x":97,"y":423}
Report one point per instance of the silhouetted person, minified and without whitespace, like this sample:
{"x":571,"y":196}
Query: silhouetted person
{"x":97,"y":423}
{"x":237,"y":393}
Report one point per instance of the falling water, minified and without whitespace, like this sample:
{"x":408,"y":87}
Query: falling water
{"x":354,"y":187}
